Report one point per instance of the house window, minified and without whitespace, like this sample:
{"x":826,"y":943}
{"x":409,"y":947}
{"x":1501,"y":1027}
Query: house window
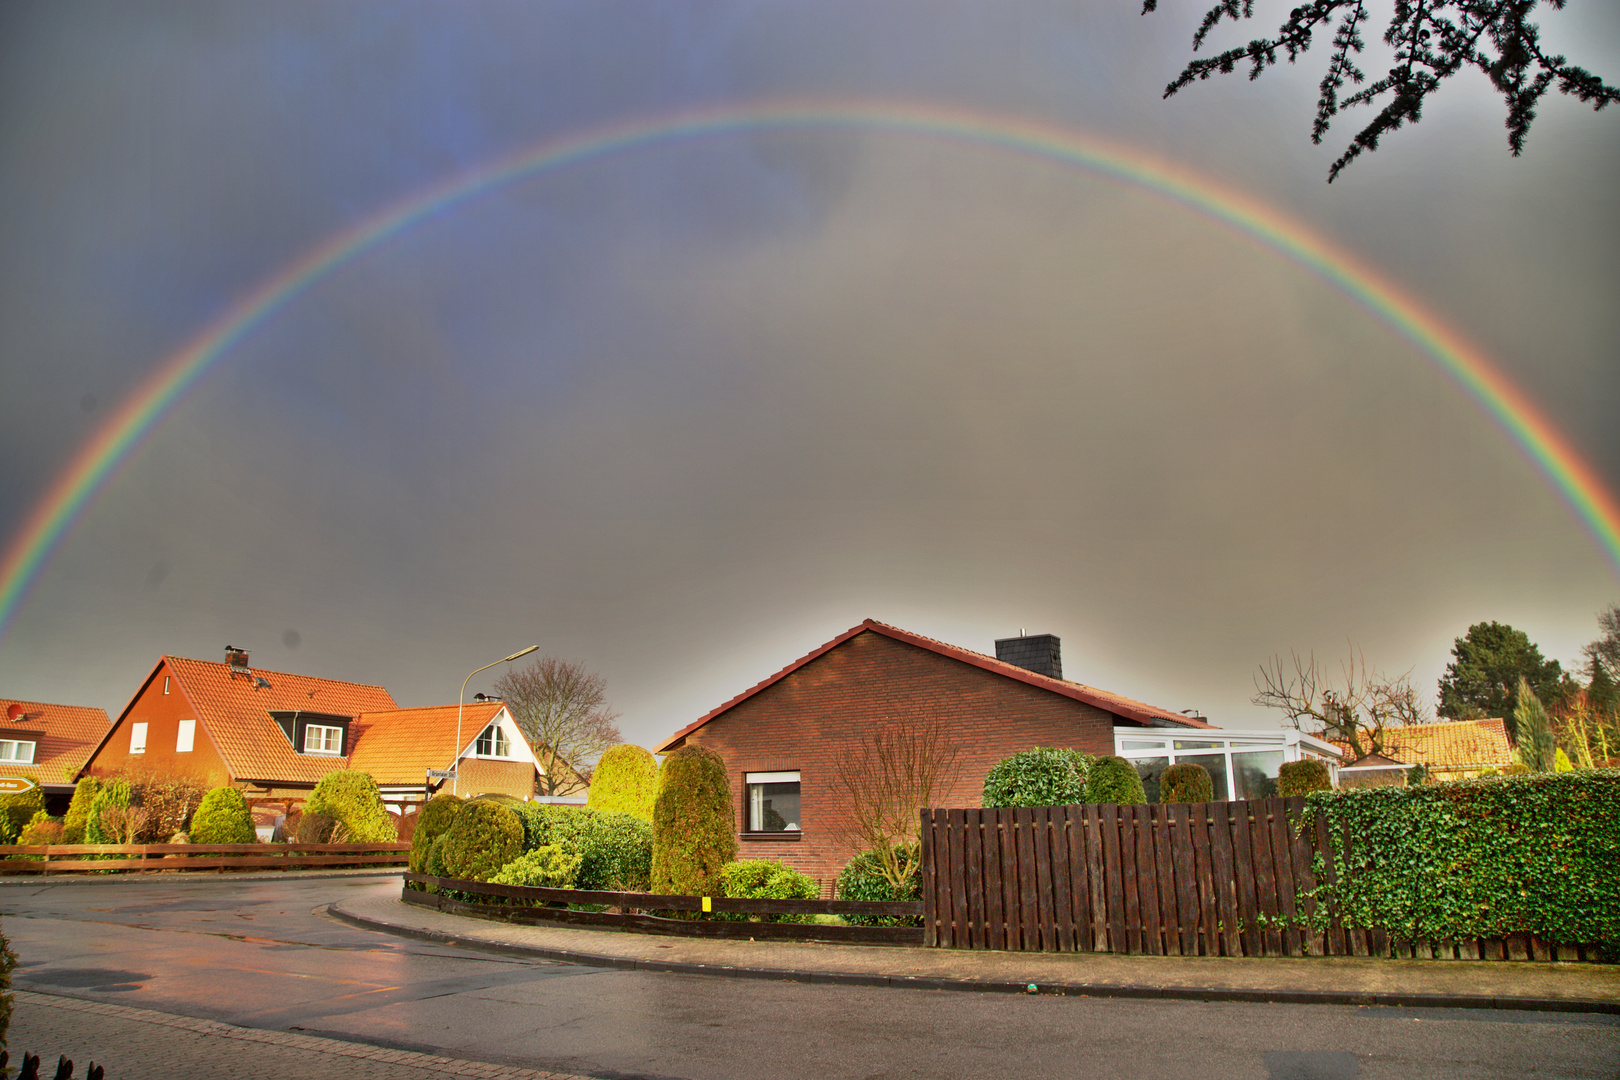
{"x":320,"y":739}
{"x":773,"y":801}
{"x":493,"y":743}
{"x":137,"y":738}
{"x":165,"y":684}
{"x":185,"y":736}
{"x":22,"y":753}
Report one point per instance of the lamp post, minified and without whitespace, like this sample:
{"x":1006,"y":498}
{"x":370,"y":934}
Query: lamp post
{"x":455,"y":784}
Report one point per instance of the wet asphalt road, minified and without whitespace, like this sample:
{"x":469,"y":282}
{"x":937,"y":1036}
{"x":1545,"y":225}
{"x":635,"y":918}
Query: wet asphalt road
{"x":260,"y":954}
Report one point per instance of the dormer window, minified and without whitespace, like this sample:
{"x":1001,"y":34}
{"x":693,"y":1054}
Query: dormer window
{"x":16,"y":752}
{"x":320,"y":739}
{"x":493,"y":743}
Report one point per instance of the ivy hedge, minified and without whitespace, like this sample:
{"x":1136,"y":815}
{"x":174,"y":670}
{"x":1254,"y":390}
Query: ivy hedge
{"x":1536,"y":854}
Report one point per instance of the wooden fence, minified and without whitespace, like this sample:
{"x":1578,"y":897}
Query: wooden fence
{"x":1186,"y":879}
{"x":631,"y":911}
{"x":145,"y":858}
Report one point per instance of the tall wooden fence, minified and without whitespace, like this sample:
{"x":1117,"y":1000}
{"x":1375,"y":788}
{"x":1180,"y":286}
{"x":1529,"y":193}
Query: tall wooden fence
{"x":1186,"y":879}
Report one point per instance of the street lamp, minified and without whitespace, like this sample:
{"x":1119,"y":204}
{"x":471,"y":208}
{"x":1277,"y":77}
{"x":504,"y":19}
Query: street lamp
{"x":455,"y":764}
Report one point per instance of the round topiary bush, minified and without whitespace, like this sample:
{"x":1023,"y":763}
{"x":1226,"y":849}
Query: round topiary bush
{"x":431,"y":822}
{"x":223,"y":818}
{"x":1044,"y":776}
{"x":862,"y":879}
{"x":1114,"y":780}
{"x":1186,"y":782}
{"x":546,"y":867}
{"x":693,"y":825}
{"x":113,"y":794}
{"x":78,"y":812}
{"x":352,"y":798}
{"x":483,"y":837}
{"x":1303,"y":777}
{"x":762,"y":879}
{"x":625,"y":781}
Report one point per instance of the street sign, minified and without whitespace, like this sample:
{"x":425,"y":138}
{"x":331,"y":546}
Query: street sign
{"x":16,"y":785}
{"x":441,"y":774}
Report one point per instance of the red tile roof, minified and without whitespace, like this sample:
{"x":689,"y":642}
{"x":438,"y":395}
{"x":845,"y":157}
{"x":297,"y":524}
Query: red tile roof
{"x":398,"y":745}
{"x":1124,"y":707}
{"x":67,"y":735}
{"x":1450,"y":745}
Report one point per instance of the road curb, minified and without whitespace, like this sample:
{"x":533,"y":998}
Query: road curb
{"x":170,"y":876}
{"x":1098,"y":990}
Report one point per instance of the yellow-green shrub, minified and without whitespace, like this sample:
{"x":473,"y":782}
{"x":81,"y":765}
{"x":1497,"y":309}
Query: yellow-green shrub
{"x":693,"y":835}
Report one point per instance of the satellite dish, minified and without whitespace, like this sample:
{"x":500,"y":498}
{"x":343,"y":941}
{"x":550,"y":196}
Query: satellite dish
{"x":14,"y":712}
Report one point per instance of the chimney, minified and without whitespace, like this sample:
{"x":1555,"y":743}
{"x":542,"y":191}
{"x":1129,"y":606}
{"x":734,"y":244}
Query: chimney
{"x":236,"y":659}
{"x":1039,"y":653}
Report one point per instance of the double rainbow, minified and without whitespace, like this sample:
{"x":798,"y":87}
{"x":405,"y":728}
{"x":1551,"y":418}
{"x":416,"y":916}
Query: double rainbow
{"x":54,"y":515}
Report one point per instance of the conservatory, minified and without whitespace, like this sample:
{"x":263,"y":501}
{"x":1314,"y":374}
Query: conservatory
{"x":1241,"y":764}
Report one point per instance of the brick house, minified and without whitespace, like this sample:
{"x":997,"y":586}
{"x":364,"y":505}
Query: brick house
{"x":782,"y":739}
{"x":48,"y":744}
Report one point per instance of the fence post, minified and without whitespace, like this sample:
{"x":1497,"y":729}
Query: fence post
{"x":929,"y":869}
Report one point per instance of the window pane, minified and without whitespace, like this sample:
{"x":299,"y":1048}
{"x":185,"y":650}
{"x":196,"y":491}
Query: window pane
{"x":1198,"y":744}
{"x":185,"y":737}
{"x":1142,"y":744}
{"x":773,"y":807}
{"x":1149,"y":769}
{"x":1256,"y":773}
{"x":137,"y":738}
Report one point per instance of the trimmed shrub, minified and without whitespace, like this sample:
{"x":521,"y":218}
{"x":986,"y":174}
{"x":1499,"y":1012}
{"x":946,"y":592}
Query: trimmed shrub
{"x":1537,"y":854}
{"x":78,"y":813}
{"x":1044,"y":776}
{"x":16,"y":811}
{"x":615,"y":849}
{"x":862,"y":879}
{"x":625,"y":781}
{"x":351,"y":797}
{"x":546,"y":867}
{"x":223,"y":818}
{"x":693,"y":824}
{"x":1186,"y":783}
{"x":431,"y":822}
{"x":1303,"y":777}
{"x":115,"y":794}
{"x":483,"y":837}
{"x":1114,"y":780}
{"x":762,"y":879}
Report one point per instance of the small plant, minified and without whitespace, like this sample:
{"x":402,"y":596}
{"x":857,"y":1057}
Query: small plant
{"x":1187,"y":782}
{"x":862,"y":878}
{"x":223,"y":818}
{"x":546,"y":867}
{"x":626,"y":781}
{"x":1303,"y":777}
{"x":351,"y":797}
{"x":1044,"y":776}
{"x":1114,"y":780}
{"x":483,"y":837}
{"x":761,"y":879}
{"x":115,"y":793}
{"x":693,"y":824}
{"x":78,"y":813}
{"x":42,"y":829}
{"x":431,"y":822}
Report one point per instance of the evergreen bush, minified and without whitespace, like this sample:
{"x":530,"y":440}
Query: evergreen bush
{"x":431,"y":822}
{"x":114,"y":794}
{"x":1303,"y":777}
{"x":693,"y":824}
{"x":1114,"y":780}
{"x":1187,"y":782}
{"x":762,"y":879}
{"x":862,"y":879}
{"x":482,"y":838}
{"x":1044,"y":776}
{"x":78,"y":813}
{"x":16,"y":811}
{"x":615,"y":848}
{"x":626,"y":781}
{"x":546,"y":867}
{"x":223,"y":818}
{"x":351,"y":797}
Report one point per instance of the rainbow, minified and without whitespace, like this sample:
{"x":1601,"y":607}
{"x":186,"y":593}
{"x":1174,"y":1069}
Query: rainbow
{"x":88,"y":472}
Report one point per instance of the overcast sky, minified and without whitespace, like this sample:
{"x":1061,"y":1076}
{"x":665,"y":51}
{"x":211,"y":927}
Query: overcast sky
{"x":686,"y":412}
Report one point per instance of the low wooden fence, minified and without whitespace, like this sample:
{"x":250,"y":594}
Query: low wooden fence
{"x":149,"y":858}
{"x":630,"y":911}
{"x":1186,"y":879}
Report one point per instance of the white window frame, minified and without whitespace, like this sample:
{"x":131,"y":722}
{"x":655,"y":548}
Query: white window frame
{"x":185,"y":737}
{"x":500,"y":743}
{"x":1132,"y":743}
{"x":17,"y":751}
{"x":137,"y":737}
{"x":324,"y":729}
{"x":755,"y":798}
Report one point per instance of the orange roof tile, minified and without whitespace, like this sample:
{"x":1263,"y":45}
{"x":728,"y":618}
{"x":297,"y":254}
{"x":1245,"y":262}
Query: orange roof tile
{"x":1451,"y":744}
{"x":397,"y":746}
{"x":67,"y":735}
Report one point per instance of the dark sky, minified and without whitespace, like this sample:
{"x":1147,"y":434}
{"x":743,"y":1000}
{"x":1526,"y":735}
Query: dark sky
{"x":686,"y":412}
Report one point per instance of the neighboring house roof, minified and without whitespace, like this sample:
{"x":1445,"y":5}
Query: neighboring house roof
{"x":64,"y":737}
{"x":1452,"y":745}
{"x":1123,"y":707}
{"x":1376,"y":761}
{"x":398,"y":745}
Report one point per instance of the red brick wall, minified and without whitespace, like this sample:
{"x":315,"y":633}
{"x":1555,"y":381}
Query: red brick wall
{"x":162,"y":714}
{"x":806,"y":720}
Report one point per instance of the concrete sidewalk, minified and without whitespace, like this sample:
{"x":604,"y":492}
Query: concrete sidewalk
{"x":1306,"y":980}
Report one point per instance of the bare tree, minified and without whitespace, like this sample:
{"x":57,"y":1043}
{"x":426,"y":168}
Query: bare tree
{"x":886,"y":779}
{"x":562,"y":710}
{"x":1356,"y":709}
{"x":1605,"y":651}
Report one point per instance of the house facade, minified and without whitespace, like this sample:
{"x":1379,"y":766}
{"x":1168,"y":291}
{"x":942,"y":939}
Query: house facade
{"x":783,"y":739}
{"x":48,"y":744}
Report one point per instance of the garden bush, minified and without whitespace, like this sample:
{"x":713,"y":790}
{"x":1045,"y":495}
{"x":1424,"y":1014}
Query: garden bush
{"x":78,"y":812}
{"x":1303,"y":777}
{"x":168,"y":802}
{"x":482,"y":838}
{"x":862,"y":879}
{"x":16,"y":811}
{"x":547,"y":867}
{"x":431,"y":822}
{"x":1186,"y":782}
{"x":223,"y":818}
{"x":42,"y":829}
{"x":114,"y":794}
{"x":8,"y":963}
{"x":351,"y":797}
{"x":1044,"y":776}
{"x":314,"y":828}
{"x":762,"y":879}
{"x":693,"y":824}
{"x":1537,"y":854}
{"x":1114,"y":780}
{"x":626,"y":781}
{"x":615,"y":848}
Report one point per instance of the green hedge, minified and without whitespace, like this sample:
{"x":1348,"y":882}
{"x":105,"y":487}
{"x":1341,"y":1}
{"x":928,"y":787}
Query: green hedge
{"x":625,"y":781}
{"x":862,"y":879}
{"x":16,"y":811}
{"x":221,"y":818}
{"x":1044,"y":776}
{"x":546,"y":867}
{"x":483,"y":837}
{"x":615,"y":849}
{"x":1114,"y":780}
{"x":694,"y":830}
{"x":1537,"y":854}
{"x":432,"y":820}
{"x":762,"y":879}
{"x":351,"y":798}
{"x":1188,"y":782}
